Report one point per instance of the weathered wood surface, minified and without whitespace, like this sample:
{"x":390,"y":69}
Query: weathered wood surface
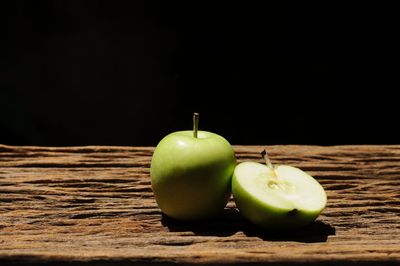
{"x":94,"y":206}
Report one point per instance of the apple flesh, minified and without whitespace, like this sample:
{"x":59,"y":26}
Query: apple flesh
{"x":191,"y":174}
{"x":277,"y":197}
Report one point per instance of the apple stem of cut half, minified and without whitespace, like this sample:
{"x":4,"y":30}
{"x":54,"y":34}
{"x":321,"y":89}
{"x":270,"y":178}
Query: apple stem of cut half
{"x":264,"y":154}
{"x":195,"y":124}
{"x":275,"y":182}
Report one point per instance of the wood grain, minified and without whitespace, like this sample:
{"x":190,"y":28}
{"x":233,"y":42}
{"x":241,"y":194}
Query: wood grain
{"x":94,"y":206}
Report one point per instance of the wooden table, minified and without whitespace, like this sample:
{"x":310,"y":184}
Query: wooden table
{"x":94,"y":206}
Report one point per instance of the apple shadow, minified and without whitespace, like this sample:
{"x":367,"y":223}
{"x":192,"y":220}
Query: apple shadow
{"x":226,"y":224}
{"x":231,"y":221}
{"x":316,"y":232}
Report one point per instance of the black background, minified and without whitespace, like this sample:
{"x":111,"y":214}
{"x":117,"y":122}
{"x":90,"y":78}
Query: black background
{"x":128,"y":73}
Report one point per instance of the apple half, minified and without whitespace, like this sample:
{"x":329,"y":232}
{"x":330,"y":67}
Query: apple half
{"x":277,"y":197}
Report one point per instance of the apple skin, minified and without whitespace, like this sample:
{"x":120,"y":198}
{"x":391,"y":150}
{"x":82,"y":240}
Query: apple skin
{"x":268,"y":216}
{"x":191,"y":177}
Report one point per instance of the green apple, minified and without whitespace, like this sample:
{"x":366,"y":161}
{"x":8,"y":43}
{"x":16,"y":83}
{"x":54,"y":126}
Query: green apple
{"x":191,"y":173}
{"x":277,"y":197}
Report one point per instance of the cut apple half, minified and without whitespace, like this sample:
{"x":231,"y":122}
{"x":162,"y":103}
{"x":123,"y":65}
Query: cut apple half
{"x":277,"y":197}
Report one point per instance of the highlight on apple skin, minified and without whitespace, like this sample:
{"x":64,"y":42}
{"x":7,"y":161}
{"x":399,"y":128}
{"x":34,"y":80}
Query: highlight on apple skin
{"x":277,"y":197}
{"x":191,"y":174}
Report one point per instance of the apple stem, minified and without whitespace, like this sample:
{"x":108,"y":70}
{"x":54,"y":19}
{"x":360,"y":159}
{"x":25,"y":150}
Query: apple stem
{"x":264,"y":154}
{"x":195,"y":124}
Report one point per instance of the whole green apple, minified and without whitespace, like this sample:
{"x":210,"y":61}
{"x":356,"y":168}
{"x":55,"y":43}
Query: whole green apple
{"x":277,"y":197}
{"x":191,"y":173}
